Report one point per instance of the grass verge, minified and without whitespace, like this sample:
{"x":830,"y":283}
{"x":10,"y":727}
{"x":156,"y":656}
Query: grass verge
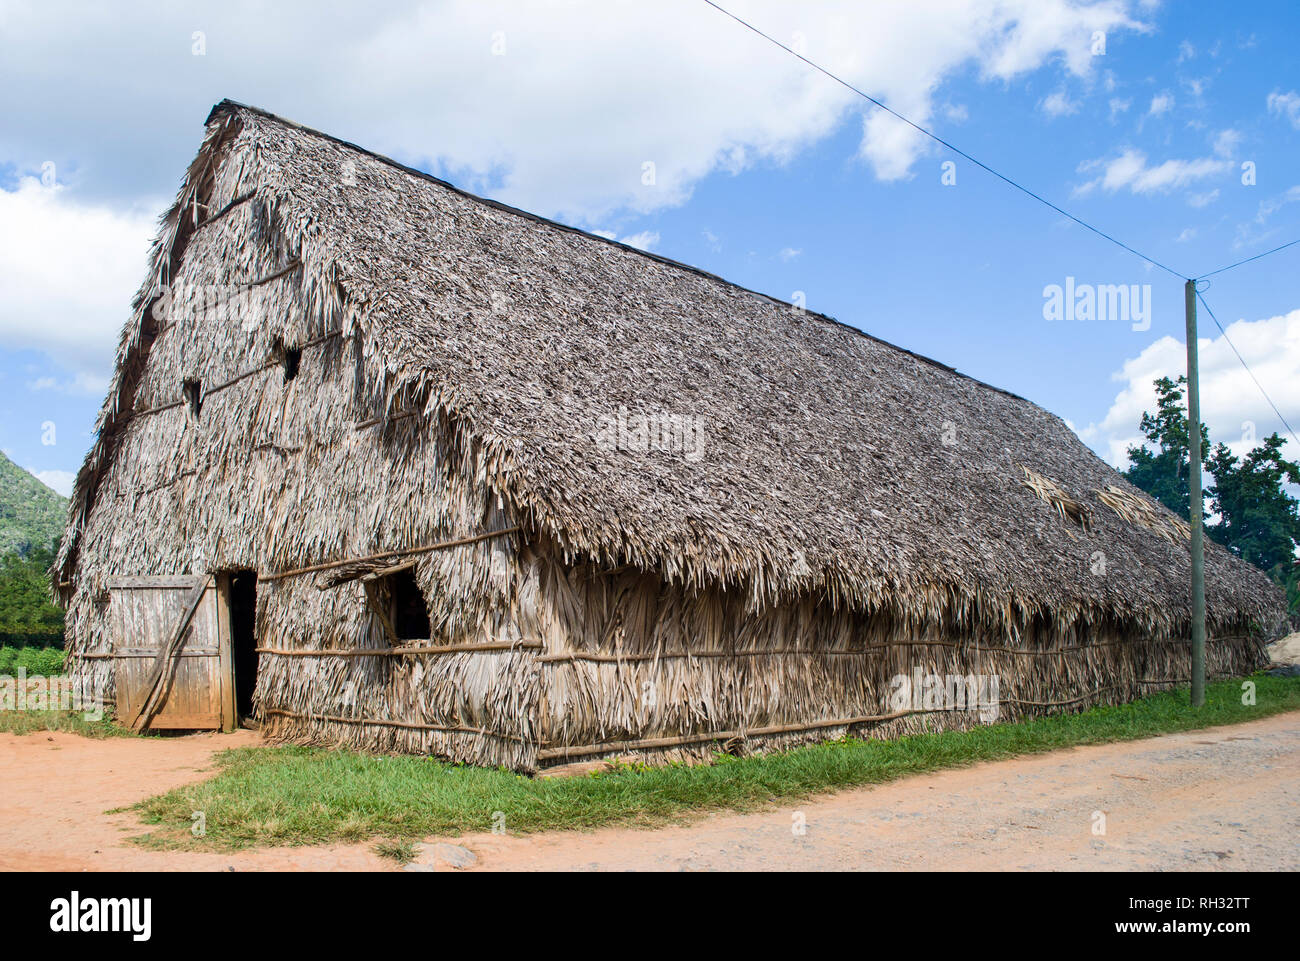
{"x":300,"y":795}
{"x":74,"y":722}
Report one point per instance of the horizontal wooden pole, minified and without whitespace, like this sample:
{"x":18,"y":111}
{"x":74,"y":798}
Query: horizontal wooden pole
{"x":585,"y":750}
{"x":973,"y":649}
{"x":286,"y":269}
{"x":548,"y":753}
{"x":397,"y":552}
{"x":387,"y":722}
{"x":226,"y":209}
{"x":119,"y":655}
{"x":397,"y":651}
{"x":242,"y":375}
{"x":385,"y":418}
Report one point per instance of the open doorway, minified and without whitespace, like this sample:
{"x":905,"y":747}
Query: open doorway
{"x":243,"y":642}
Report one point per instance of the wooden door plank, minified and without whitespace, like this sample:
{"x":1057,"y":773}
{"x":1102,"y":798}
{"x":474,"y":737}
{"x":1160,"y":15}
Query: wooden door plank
{"x":158,"y":682}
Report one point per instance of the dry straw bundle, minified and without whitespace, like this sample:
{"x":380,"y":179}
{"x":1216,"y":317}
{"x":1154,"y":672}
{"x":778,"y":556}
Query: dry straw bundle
{"x":1144,"y":513}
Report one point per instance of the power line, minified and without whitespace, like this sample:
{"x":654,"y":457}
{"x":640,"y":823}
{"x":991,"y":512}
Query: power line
{"x":1247,"y":366}
{"x":937,"y":139}
{"x":1025,"y":190}
{"x":1246,"y":261}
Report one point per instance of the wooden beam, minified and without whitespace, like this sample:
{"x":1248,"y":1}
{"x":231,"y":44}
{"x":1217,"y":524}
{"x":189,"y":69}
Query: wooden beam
{"x":388,"y":722}
{"x":395,"y":553}
{"x":398,"y":651}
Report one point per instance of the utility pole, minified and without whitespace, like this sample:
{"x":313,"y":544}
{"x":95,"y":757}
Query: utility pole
{"x":1194,"y":492}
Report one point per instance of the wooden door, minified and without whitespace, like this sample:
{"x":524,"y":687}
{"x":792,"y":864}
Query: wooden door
{"x":144,"y":613}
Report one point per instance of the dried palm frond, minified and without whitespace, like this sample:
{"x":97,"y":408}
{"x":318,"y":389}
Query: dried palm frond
{"x":1066,"y":506}
{"x":1144,"y":513}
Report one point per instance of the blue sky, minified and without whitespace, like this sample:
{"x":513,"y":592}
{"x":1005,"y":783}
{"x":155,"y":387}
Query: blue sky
{"x":765,"y":172}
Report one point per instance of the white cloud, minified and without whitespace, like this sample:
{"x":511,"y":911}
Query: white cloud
{"x":1205,"y":199}
{"x":1231,"y":404}
{"x":1285,"y":105}
{"x":68,"y":272}
{"x":87,"y":383}
{"x":1118,"y":106}
{"x":1257,"y":229}
{"x":1226,"y":143}
{"x":644,"y":240}
{"x":1058,"y":104}
{"x":1197,"y":85}
{"x":1161,"y":104}
{"x":1187,"y":234}
{"x":561,"y":122}
{"x":553,"y":106}
{"x":789,"y":253}
{"x":1130,"y":171}
{"x":57,"y":480}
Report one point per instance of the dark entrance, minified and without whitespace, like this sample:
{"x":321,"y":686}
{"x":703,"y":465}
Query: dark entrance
{"x":243,"y":639}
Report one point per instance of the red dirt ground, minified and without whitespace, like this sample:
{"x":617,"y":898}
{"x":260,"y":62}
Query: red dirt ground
{"x":1218,"y":799}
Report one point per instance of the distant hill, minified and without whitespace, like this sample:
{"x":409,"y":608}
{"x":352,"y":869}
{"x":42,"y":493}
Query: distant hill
{"x":31,"y":515}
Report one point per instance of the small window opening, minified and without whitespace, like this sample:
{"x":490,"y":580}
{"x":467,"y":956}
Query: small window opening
{"x":193,"y":391}
{"x":410,"y":612}
{"x":289,"y":358}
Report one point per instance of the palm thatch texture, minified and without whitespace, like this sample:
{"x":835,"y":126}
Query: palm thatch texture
{"x":852,"y":512}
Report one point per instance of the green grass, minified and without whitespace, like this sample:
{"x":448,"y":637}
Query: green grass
{"x":300,"y":795}
{"x":403,"y":852}
{"x":40,"y":722}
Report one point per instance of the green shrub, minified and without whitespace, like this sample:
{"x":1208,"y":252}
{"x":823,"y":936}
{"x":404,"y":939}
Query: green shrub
{"x":46,"y":661}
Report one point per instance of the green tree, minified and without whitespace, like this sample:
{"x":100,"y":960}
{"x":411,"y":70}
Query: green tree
{"x":27,"y":613}
{"x":1258,"y":520}
{"x":1164,"y":473}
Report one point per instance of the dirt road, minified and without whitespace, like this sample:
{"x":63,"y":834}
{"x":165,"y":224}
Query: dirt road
{"x":1221,"y":799}
{"x":55,"y":788}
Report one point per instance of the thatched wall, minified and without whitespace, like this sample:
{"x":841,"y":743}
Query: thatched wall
{"x":273,"y":474}
{"x":630,"y":659}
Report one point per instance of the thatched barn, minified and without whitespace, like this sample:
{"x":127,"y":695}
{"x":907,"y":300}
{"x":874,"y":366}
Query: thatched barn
{"x":388,"y":465}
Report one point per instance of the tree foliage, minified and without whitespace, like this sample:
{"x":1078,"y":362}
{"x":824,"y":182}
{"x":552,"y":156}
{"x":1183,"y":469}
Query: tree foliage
{"x":27,"y":613}
{"x":1164,"y":473}
{"x":30,"y":513}
{"x":1248,"y":508}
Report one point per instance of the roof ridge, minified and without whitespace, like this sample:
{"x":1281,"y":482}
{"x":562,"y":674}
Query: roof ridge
{"x":227,"y":105}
